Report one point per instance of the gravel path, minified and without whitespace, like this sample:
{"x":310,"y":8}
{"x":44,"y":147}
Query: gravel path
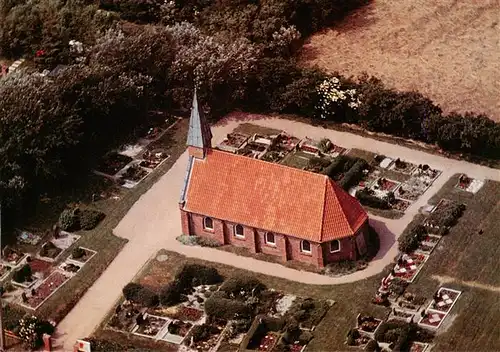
{"x":153,"y":223}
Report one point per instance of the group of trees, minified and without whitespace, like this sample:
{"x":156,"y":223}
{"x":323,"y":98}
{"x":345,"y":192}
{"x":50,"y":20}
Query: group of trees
{"x":240,"y":54}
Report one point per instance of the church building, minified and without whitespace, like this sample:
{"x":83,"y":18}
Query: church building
{"x":267,"y":207}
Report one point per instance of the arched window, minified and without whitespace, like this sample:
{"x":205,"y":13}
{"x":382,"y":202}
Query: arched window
{"x":208,"y":223}
{"x":270,"y":238}
{"x":238,"y":231}
{"x":335,"y":246}
{"x":305,"y":246}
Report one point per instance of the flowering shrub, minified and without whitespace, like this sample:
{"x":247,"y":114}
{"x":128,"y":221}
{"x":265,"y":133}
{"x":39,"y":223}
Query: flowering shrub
{"x":31,"y":331}
{"x":332,"y":96}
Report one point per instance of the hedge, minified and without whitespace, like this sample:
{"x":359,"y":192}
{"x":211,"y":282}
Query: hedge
{"x":225,"y":308}
{"x":139,"y":294}
{"x":446,"y":214}
{"x":365,"y":197}
{"x":237,"y":284}
{"x":409,"y":240}
{"x":354,"y":174}
{"x":332,"y":169}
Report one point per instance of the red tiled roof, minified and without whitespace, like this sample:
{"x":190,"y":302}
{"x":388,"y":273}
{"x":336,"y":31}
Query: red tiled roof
{"x":271,"y":197}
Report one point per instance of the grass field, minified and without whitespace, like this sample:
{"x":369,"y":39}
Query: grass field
{"x":446,"y":49}
{"x":101,"y":238}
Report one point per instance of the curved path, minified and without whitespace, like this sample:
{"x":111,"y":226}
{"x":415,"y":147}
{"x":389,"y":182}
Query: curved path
{"x":154,"y":223}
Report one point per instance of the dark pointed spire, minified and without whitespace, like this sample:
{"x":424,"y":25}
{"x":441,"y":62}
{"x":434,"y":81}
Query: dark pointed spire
{"x":199,"y":134}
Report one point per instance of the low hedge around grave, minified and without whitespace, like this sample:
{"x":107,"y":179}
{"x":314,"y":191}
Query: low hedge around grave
{"x":400,"y":334}
{"x":187,"y":277}
{"x":139,"y":294}
{"x":354,"y":174}
{"x":366,"y":197}
{"x":409,"y":240}
{"x":446,"y":214}
{"x":219,"y":306}
{"x":75,"y":219}
{"x":247,"y":284}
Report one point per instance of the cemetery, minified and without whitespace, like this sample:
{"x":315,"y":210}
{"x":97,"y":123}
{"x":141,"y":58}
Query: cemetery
{"x":370,"y":182}
{"x":132,"y":163}
{"x":200,"y":310}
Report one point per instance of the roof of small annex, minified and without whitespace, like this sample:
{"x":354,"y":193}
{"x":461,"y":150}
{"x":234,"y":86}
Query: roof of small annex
{"x":271,"y":197}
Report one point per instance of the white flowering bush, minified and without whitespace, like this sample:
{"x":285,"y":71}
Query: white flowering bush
{"x":332,"y":96}
{"x":31,"y":331}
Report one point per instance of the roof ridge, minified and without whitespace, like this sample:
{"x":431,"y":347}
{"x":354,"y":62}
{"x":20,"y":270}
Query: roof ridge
{"x":271,"y":163}
{"x":335,"y":187}
{"x":323,"y":209}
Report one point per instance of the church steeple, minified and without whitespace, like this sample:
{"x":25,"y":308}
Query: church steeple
{"x":199,"y":138}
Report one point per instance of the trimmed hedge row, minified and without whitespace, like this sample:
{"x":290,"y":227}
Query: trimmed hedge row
{"x":354,"y":174}
{"x":366,"y":198}
{"x":446,"y":215}
{"x":408,"y":241}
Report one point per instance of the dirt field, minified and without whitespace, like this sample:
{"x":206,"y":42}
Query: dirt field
{"x":446,"y":49}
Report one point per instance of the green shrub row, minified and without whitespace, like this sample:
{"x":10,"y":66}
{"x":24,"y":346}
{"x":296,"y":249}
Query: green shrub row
{"x":365,"y":197}
{"x":409,"y":240}
{"x":80,"y":219}
{"x":354,"y":174}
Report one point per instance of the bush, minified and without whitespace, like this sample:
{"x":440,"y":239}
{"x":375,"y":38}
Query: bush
{"x":354,"y":174}
{"x":235,"y":285}
{"x":78,"y":253}
{"x":336,"y":165}
{"x":90,"y":218}
{"x":202,"y":332}
{"x":139,"y":294}
{"x":446,"y":214}
{"x":409,"y":240}
{"x":32,"y":330}
{"x":225,"y":308}
{"x":372,"y":346}
{"x":171,"y":293}
{"x":131,"y":291}
{"x":366,"y":197}
{"x":68,"y":220}
{"x":196,"y":274}
{"x":22,"y":274}
{"x":207,"y":242}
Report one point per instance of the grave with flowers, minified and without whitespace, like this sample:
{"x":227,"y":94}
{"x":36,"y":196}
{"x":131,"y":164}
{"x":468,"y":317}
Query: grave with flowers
{"x":469,"y":184}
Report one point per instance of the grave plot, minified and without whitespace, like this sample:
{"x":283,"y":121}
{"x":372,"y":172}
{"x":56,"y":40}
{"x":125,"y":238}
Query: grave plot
{"x":410,"y":302}
{"x":426,"y":174}
{"x":204,"y":337}
{"x":4,"y":271}
{"x":468,"y":184}
{"x":132,"y":175}
{"x":297,"y":159}
{"x":12,"y":257}
{"x":152,"y":159}
{"x":384,"y":162}
{"x":40,"y":268}
{"x":310,"y":146}
{"x":149,"y":325}
{"x":253,"y":150}
{"x":432,"y":319}
{"x":24,"y":277}
{"x":356,"y":339}
{"x":27,"y":237}
{"x":418,"y":347}
{"x":400,"y":205}
{"x":285,"y":142}
{"x":81,"y":255}
{"x":176,"y":331}
{"x":401,"y":314}
{"x":179,"y":312}
{"x":111,"y":163}
{"x":367,"y":324}
{"x":69,"y":268}
{"x":404,"y":167}
{"x":233,"y":142}
{"x":444,"y":300}
{"x":132,"y":150}
{"x":124,"y":317}
{"x":64,"y":240}
{"x":409,"y":265}
{"x":49,"y":251}
{"x":383,"y":186}
{"x":42,"y":291}
{"x":428,"y":244}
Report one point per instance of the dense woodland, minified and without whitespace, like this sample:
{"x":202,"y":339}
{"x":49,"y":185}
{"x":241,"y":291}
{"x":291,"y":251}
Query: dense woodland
{"x":148,"y":54}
